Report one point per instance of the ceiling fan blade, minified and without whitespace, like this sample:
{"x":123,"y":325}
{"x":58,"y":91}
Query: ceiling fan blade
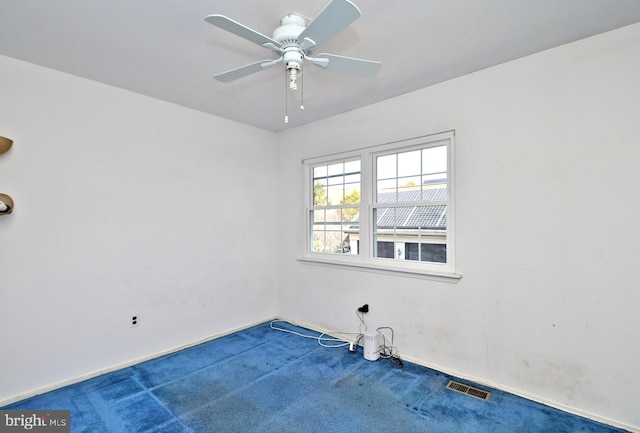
{"x":349,"y":65}
{"x":334,"y":18}
{"x":239,"y":29}
{"x":243,"y":71}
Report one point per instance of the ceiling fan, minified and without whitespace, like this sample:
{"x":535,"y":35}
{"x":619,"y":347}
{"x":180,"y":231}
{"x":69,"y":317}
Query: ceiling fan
{"x":295,"y":40}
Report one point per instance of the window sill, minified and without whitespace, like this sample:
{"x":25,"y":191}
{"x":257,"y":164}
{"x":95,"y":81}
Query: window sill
{"x":381,"y":268}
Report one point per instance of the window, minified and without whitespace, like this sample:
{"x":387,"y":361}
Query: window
{"x":336,"y":206}
{"x":387,"y":207}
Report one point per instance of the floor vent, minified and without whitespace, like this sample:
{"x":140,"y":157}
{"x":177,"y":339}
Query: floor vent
{"x":469,"y":390}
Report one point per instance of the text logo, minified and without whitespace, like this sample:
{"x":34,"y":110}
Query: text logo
{"x":43,"y":421}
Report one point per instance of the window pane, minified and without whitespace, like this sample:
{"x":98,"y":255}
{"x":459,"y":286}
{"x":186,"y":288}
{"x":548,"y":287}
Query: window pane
{"x":386,"y":167}
{"x":385,"y":250}
{"x":317,"y":241}
{"x":411,"y":251}
{"x":332,"y":243}
{"x":334,"y":169}
{"x":427,"y":217}
{"x":412,"y":217}
{"x":409,"y":163}
{"x":410,"y":183}
{"x":384,"y":217}
{"x":352,"y":178}
{"x":320,"y":171}
{"x":319,"y":194}
{"x":436,"y":191}
{"x":434,"y":253}
{"x":434,"y":160}
{"x":352,"y":166}
{"x":336,"y":180}
{"x":383,"y":237}
{"x":317,"y":216}
{"x":350,"y":214}
{"x":428,"y":179}
{"x":332,"y":216}
{"x":352,"y":193}
{"x":336,"y":194}
{"x":387,"y":191}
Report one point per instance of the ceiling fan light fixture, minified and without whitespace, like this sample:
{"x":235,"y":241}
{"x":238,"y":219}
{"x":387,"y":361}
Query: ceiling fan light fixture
{"x":293,"y":60}
{"x":293,"y":79}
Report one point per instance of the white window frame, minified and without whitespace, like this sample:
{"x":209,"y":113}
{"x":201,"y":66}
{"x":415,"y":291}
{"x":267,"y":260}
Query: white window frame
{"x":366,"y":259}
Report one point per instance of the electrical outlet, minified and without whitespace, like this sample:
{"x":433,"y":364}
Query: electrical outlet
{"x":135,"y":321}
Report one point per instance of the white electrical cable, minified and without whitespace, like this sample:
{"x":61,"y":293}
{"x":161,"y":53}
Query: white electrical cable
{"x":320,"y":338}
{"x":387,"y":351}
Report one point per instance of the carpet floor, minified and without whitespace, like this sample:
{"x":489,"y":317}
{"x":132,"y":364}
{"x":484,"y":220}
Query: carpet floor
{"x":264,"y":380}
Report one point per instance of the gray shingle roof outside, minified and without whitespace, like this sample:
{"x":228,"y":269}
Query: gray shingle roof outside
{"x":428,"y":194}
{"x":413,"y":217}
{"x":423,"y":217}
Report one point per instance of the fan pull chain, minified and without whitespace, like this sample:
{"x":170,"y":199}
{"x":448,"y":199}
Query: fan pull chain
{"x":302,"y":86}
{"x":286,"y":96}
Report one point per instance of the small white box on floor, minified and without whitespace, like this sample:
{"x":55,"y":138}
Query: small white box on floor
{"x":371,"y":342}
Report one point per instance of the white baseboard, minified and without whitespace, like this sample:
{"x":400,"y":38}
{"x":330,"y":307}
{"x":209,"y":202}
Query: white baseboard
{"x":480,"y":381}
{"x":528,"y":396}
{"x":72,"y":381}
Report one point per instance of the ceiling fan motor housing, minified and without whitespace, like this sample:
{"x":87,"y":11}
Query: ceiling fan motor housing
{"x":291,"y":26}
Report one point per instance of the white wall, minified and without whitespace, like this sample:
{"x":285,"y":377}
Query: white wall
{"x":546,"y":181}
{"x":124,"y":205}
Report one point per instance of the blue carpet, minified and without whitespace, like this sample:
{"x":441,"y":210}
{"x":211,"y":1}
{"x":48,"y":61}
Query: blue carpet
{"x":263,"y":380}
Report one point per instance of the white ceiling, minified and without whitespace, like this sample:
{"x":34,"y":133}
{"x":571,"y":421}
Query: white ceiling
{"x":165,"y":49}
